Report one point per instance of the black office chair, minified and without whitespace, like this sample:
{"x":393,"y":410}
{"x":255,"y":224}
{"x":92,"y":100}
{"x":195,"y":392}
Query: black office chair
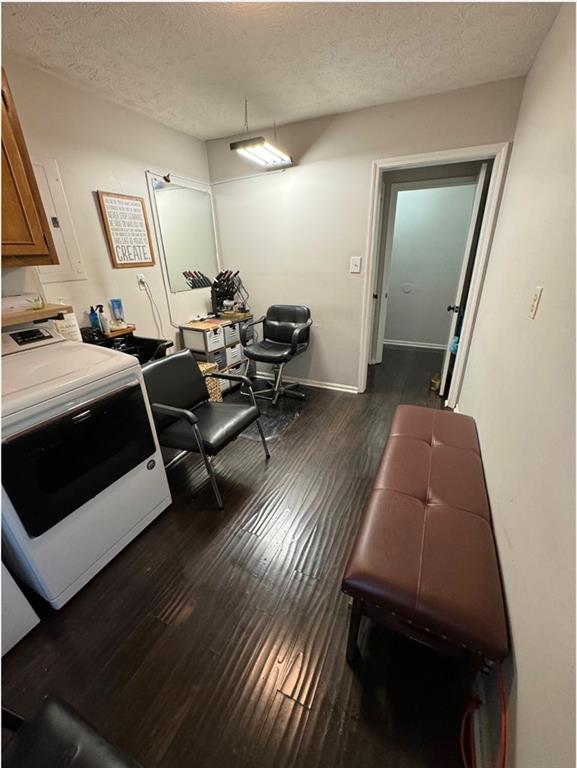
{"x":184,"y":418}
{"x":286,"y":332}
{"x":58,"y":736}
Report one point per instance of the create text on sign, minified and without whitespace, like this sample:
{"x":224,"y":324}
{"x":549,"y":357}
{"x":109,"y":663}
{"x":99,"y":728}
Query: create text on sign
{"x":128,"y":230}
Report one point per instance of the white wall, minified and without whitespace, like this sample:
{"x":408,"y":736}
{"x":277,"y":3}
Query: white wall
{"x":520,"y":387}
{"x":292,"y":234}
{"x":99,"y":145}
{"x":428,"y":247}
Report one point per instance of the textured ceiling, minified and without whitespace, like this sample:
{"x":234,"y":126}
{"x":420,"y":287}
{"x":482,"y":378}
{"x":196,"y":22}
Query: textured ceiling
{"x":189,"y":65}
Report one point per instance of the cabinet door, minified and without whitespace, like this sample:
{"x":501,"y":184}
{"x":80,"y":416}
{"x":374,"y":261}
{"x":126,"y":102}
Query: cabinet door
{"x":26,"y":238}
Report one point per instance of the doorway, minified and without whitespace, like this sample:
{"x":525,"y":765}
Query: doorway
{"x":426,"y":246}
{"x":430,"y":227}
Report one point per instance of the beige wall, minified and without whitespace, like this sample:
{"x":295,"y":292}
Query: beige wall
{"x":292,"y":234}
{"x":520,"y":388}
{"x":99,"y":145}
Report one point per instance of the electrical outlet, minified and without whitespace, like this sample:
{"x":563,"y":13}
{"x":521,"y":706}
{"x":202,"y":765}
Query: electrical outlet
{"x":140,"y":279}
{"x":355,"y":267}
{"x":535,"y":302}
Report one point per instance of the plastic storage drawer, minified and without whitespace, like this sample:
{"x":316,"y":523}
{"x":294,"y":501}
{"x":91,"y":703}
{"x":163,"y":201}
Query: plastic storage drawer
{"x":203,"y":341}
{"x":218,"y":357}
{"x":234,"y":354}
{"x":231,"y":333}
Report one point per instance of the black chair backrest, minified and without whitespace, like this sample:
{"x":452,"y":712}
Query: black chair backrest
{"x":282,"y":319}
{"x":175,"y":380}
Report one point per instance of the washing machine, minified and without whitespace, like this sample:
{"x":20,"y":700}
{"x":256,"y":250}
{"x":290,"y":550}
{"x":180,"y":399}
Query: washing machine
{"x":82,"y":472}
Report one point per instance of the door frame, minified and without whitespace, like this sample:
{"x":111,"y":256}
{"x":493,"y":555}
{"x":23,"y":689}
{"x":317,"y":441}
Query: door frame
{"x":477,"y":214}
{"x":499,"y":154}
{"x":389,"y":233}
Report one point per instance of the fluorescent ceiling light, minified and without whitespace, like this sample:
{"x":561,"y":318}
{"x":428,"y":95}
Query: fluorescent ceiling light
{"x":262,"y":152}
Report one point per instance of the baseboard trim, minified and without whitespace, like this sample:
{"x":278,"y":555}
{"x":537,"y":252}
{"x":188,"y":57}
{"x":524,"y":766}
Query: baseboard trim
{"x":416,"y":344}
{"x":312,"y":383}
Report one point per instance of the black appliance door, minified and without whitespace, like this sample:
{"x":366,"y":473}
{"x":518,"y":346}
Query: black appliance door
{"x":51,"y":469}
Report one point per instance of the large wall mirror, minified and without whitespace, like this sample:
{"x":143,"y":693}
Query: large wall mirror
{"x":184,"y":216}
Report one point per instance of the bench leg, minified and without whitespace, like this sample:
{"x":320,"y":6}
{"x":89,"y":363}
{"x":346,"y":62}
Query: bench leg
{"x":354,"y":624}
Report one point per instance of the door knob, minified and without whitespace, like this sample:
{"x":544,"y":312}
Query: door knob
{"x":453,"y":308}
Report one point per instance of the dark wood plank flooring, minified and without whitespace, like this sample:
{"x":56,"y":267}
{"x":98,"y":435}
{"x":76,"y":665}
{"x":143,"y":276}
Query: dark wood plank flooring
{"x":217,"y":638}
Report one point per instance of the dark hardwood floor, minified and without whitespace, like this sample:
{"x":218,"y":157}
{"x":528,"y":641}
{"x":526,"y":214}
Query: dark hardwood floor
{"x":217,"y":638}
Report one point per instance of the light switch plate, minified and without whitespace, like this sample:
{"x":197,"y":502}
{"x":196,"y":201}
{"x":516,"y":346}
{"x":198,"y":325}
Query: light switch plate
{"x":535,"y":301}
{"x":355,"y":267}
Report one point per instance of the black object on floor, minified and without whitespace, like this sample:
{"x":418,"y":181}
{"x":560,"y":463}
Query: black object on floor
{"x":58,"y":736}
{"x":275,"y":419}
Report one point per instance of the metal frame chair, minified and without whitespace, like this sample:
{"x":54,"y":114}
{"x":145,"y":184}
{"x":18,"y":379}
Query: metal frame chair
{"x":178,"y":380}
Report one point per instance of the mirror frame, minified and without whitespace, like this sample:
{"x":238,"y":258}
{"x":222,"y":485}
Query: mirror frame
{"x":181,"y":181}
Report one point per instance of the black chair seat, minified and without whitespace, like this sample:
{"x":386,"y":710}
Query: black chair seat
{"x":274,"y":352}
{"x":58,"y":736}
{"x":219,"y":424}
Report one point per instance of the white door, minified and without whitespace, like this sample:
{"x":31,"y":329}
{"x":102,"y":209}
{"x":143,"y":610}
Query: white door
{"x":455,"y":308}
{"x":380,"y":303}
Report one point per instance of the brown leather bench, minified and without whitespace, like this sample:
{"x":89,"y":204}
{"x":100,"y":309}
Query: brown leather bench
{"x":424,"y":561}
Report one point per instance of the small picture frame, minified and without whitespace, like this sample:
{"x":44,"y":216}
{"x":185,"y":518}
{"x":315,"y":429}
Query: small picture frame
{"x":127,"y":231}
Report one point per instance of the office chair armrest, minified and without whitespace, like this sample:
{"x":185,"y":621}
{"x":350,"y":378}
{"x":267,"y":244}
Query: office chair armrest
{"x":235,"y":377}
{"x":230,"y":377}
{"x":160,"y":351}
{"x":297,"y":332}
{"x":243,"y":328}
{"x":177,"y":413}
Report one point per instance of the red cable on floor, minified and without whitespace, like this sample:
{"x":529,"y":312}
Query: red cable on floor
{"x":467,"y":723}
{"x":472,"y":739}
{"x":504,"y":735}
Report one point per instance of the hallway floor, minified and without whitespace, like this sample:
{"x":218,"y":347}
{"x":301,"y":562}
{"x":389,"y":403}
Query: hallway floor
{"x":217,"y":638}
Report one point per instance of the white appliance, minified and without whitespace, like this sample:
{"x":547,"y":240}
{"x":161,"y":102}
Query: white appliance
{"x":82,"y":469}
{"x":28,"y":337}
{"x":18,"y":616}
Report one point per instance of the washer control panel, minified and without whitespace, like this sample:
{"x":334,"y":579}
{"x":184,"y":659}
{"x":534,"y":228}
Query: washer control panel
{"x":28,"y":337}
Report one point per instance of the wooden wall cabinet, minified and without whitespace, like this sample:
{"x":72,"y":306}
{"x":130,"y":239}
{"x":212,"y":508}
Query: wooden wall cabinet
{"x":26,"y":236}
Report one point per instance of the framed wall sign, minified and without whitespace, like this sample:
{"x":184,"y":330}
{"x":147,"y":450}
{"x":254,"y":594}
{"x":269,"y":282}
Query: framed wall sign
{"x":127,"y":231}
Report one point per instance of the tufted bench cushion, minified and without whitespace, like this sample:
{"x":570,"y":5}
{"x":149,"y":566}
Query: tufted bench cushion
{"x":424,"y":560}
